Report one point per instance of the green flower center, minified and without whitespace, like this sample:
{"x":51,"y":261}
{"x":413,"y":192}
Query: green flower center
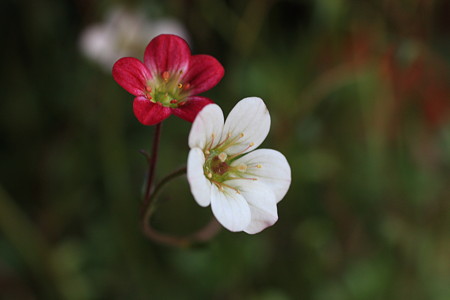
{"x":218,"y":168}
{"x":167,"y":89}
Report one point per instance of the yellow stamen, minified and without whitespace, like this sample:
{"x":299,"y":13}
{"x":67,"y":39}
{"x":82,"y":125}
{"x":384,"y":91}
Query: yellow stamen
{"x":242,"y":167}
{"x":220,"y":185}
{"x":242,"y":178}
{"x":212,"y":142}
{"x":243,"y":151}
{"x":222,"y":142}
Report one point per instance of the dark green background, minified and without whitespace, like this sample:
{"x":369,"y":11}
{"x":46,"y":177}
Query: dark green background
{"x":358,"y":93}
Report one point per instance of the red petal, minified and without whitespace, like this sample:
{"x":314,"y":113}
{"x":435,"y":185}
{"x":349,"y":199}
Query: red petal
{"x":131,"y":74}
{"x":149,"y":113}
{"x":193,"y":105}
{"x":204,"y":73}
{"x":167,"y":52}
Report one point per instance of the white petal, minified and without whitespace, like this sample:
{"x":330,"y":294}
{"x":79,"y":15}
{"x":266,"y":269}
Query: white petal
{"x":230,"y":209}
{"x":262,"y":203}
{"x":250,"y":117}
{"x":200,"y":185}
{"x":270,"y":167}
{"x":209,"y":121}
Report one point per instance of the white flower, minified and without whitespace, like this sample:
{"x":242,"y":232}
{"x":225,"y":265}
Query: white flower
{"x":242,"y":187}
{"x":124,"y":33}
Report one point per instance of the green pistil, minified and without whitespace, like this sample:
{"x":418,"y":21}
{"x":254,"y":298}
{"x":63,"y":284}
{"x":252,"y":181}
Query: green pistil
{"x":168,"y":92}
{"x":164,"y":98}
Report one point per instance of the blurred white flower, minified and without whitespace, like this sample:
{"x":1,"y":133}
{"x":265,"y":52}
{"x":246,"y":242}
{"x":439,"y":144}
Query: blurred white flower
{"x":242,"y":187}
{"x":124,"y":33}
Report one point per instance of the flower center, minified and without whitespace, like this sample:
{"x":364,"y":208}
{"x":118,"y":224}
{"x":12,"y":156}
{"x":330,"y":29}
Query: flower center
{"x":217,"y":167}
{"x":167,"y":89}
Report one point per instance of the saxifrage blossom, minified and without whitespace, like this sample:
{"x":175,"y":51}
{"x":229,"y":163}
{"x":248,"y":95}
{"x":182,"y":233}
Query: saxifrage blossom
{"x":243,"y":186}
{"x":168,"y":80}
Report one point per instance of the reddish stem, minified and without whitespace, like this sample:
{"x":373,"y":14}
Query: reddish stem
{"x":151,"y":169}
{"x":202,"y":235}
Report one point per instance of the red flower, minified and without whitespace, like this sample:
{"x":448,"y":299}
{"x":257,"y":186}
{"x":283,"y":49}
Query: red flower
{"x":168,"y":80}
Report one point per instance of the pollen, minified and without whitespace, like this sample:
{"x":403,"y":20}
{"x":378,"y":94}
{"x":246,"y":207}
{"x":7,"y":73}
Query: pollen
{"x":222,"y":156}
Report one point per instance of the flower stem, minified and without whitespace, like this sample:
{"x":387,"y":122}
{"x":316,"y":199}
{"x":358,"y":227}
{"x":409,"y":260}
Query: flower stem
{"x":202,"y":235}
{"x":151,"y":169}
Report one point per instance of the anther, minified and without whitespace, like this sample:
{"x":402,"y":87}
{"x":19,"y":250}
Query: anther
{"x":148,"y":88}
{"x":222,"y":156}
{"x":180,"y":85}
{"x":241,"y":135}
{"x":207,"y":152}
{"x":209,"y":175}
{"x":259,"y":166}
{"x":165,"y":75}
{"x":174,"y":101}
{"x":186,"y":86}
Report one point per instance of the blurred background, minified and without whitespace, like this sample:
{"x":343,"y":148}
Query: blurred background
{"x":359,"y":95}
